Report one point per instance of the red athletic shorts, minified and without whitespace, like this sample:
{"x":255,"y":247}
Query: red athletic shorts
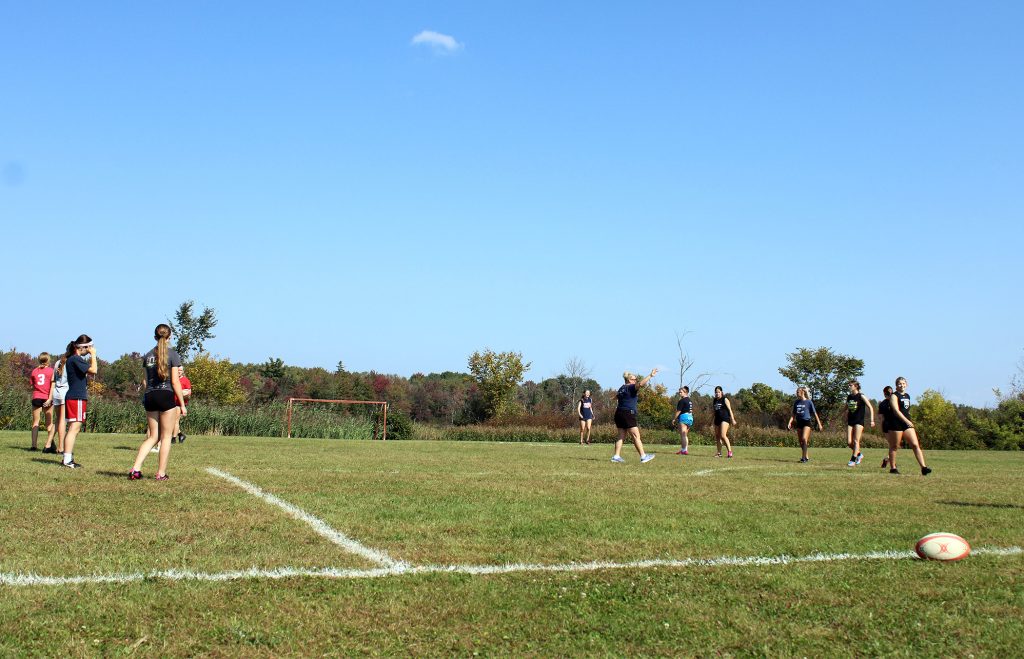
{"x":74,"y":410}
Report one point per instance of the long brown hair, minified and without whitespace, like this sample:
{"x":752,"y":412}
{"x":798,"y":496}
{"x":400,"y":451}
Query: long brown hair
{"x":64,"y":358}
{"x":162,"y":334}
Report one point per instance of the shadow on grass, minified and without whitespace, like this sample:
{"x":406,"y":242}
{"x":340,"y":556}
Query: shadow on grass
{"x":972,"y":504}
{"x":126,"y":448}
{"x":113,"y":474}
{"x":55,"y":460}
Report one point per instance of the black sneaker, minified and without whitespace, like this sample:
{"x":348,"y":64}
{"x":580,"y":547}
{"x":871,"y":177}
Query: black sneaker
{"x":49,"y":449}
{"x":174,"y":440}
{"x":894,"y":470}
{"x":925,"y":471}
{"x":181,"y":438}
{"x":885,"y":462}
{"x":72,"y":465}
{"x":33,"y":448}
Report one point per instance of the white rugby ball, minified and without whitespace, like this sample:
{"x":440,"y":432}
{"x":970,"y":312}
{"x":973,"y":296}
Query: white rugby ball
{"x":942,"y":547}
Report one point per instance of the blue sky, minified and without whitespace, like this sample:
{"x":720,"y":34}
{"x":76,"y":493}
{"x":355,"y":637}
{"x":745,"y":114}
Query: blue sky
{"x":560,"y":179}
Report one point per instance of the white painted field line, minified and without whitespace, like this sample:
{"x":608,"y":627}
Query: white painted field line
{"x":318,"y":525}
{"x":705,"y":472}
{"x":16,"y":579}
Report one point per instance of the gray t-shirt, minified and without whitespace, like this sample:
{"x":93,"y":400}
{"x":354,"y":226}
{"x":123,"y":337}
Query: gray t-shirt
{"x":153,"y":381}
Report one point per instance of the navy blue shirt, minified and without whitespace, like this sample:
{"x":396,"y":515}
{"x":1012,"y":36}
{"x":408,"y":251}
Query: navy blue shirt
{"x":627,"y":397}
{"x":684,"y":406}
{"x":803,"y":409}
{"x":78,"y":386}
{"x":586,"y":407}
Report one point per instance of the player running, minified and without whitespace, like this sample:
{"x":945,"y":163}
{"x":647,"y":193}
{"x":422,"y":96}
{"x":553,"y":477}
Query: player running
{"x":625,"y":416}
{"x":684,"y":417}
{"x":723,"y":419}
{"x":900,"y":427}
{"x":42,"y":379}
{"x":803,"y":410}
{"x":856,"y":406}
{"x":585,"y":411}
{"x":163,"y":387}
{"x":79,"y":367}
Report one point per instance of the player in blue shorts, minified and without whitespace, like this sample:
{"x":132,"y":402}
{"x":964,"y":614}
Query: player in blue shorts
{"x":684,"y":417}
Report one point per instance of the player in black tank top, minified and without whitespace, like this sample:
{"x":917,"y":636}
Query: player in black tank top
{"x":899,"y":427}
{"x":856,"y":405}
{"x":723,"y":418}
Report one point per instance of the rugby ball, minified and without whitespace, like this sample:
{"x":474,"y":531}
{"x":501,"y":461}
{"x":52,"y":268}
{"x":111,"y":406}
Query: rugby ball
{"x":942,"y":547}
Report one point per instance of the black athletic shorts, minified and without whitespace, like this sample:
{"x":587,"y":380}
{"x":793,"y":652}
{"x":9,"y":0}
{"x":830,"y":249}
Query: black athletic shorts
{"x":159,"y":400}
{"x":625,"y":419}
{"x":894,"y":426}
{"x":801,"y":423}
{"x":855,"y":421}
{"x":38,"y":402}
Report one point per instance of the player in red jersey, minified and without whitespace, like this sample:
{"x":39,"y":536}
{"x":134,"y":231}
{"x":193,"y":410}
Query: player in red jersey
{"x":186,"y":391}
{"x":42,"y":378}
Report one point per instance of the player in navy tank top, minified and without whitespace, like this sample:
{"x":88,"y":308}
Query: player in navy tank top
{"x":899,"y":427}
{"x":723,"y":419}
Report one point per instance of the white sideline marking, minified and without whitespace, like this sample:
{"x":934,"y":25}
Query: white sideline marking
{"x":320,"y":526}
{"x":29,"y":579}
{"x":705,"y":472}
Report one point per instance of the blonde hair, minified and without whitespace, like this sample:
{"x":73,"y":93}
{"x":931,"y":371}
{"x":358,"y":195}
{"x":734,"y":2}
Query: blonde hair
{"x":626,"y":375}
{"x":162,"y":334}
{"x":44,"y":358}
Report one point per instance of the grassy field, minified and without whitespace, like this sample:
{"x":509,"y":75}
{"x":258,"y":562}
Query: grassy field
{"x":198,"y":565}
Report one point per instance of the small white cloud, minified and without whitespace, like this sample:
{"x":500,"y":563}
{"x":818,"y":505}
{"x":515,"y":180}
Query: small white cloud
{"x":437,"y":41}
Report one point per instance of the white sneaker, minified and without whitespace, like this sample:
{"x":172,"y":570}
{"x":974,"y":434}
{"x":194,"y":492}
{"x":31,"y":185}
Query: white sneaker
{"x":851,"y":463}
{"x":154,"y":450}
{"x":617,"y":458}
{"x":647,"y":457}
{"x":860,"y":456}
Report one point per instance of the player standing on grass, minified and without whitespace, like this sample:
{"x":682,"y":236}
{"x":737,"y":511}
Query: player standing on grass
{"x":42,"y":380}
{"x":79,"y":367}
{"x":163,"y":387}
{"x":625,"y":416}
{"x":803,"y":409}
{"x":684,"y":417}
{"x":585,"y":411}
{"x":58,"y":391}
{"x":856,"y":404}
{"x":900,"y":427}
{"x":186,"y":390}
{"x":723,"y":419}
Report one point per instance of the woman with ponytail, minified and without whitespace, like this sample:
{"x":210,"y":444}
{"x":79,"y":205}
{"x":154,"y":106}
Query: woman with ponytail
{"x":58,"y":391}
{"x":79,"y":367}
{"x":163,"y":370}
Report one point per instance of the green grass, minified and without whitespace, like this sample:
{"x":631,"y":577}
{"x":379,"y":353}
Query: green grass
{"x":491,"y":503}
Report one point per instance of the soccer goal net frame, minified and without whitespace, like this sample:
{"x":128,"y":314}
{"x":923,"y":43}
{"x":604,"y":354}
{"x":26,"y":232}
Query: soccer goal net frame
{"x":379,"y":427}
